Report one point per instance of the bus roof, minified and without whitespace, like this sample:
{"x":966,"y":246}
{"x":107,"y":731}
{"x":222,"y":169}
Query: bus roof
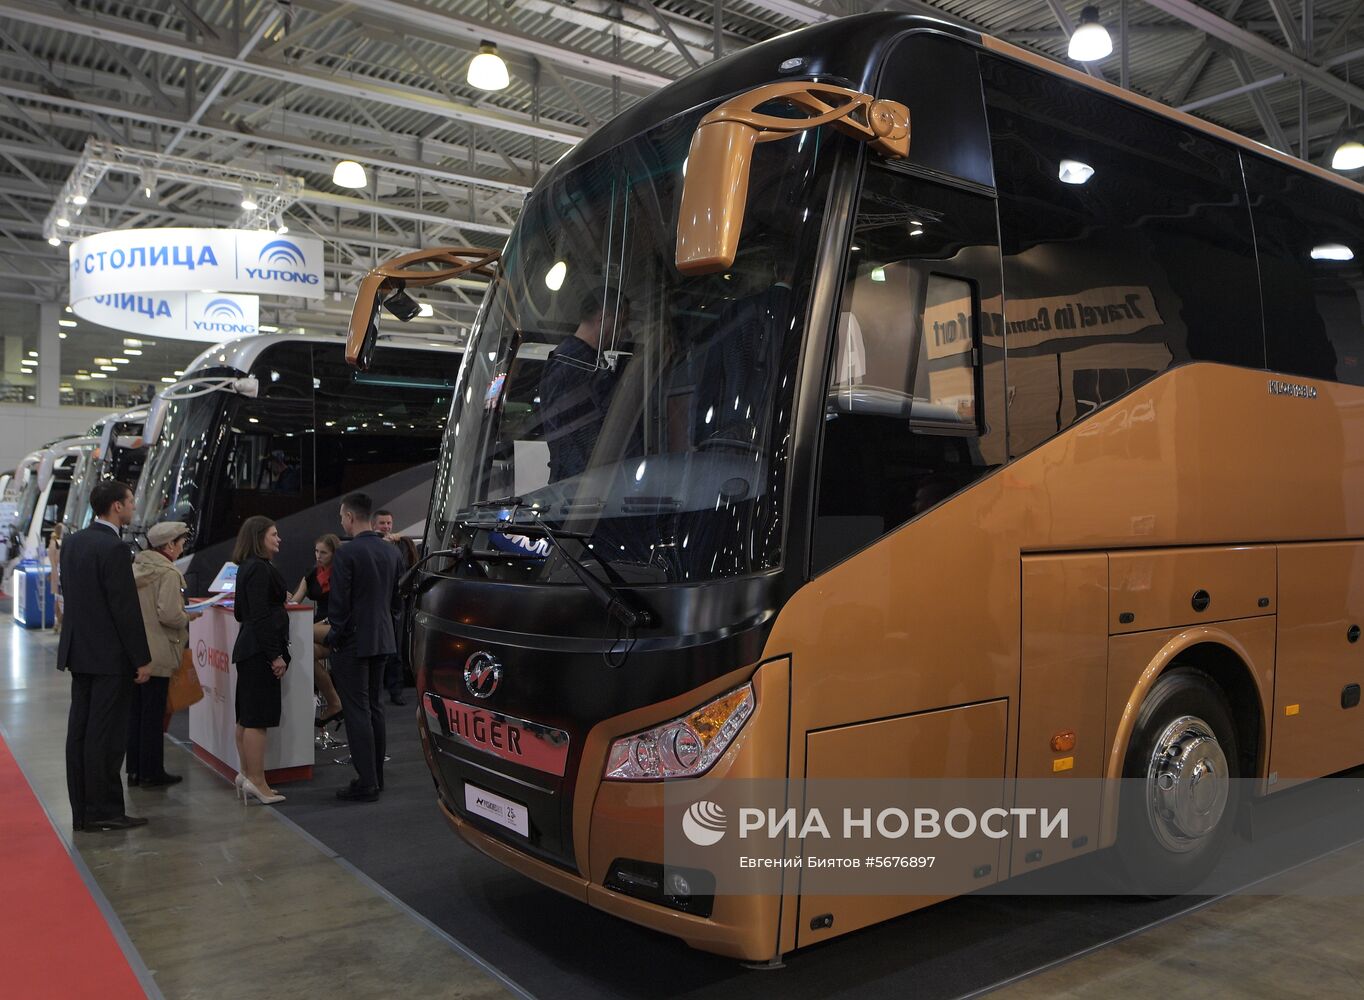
{"x":243,"y":352}
{"x":848,"y":51}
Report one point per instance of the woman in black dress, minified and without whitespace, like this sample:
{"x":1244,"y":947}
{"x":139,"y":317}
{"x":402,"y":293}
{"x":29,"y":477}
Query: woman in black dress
{"x":317,"y":587}
{"x":261,"y":652}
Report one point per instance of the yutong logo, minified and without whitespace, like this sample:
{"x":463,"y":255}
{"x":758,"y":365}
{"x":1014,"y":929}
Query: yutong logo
{"x":224,"y":316}
{"x":281,"y":260}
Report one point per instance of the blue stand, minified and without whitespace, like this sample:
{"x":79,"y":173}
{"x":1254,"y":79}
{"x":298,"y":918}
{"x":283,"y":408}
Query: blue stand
{"x":35,"y":606}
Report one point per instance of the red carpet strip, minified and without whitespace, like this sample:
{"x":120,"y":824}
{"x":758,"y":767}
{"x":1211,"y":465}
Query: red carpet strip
{"x":54,"y":939}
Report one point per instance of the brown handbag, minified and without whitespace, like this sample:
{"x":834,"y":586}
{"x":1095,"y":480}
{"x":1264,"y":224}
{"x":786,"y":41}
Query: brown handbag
{"x":185,"y":688}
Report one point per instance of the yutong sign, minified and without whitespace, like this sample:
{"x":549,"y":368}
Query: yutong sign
{"x":180,"y":283}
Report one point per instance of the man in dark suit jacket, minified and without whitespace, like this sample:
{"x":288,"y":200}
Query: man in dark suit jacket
{"x":104,"y":645}
{"x":361,"y":611}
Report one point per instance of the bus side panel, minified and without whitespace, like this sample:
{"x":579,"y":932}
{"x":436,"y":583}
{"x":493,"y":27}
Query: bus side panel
{"x":956,"y":743}
{"x":1161,"y":588}
{"x":1321,"y":593}
{"x":1062,"y":690}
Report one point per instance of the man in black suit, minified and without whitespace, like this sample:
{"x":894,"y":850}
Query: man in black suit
{"x":104,"y":645}
{"x":361,"y":611}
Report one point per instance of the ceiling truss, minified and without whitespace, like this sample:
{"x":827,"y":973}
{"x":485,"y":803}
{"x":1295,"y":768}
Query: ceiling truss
{"x":281,"y":91}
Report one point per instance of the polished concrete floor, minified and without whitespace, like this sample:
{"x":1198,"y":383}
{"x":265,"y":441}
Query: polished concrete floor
{"x":219,"y":899}
{"x":214,"y":899}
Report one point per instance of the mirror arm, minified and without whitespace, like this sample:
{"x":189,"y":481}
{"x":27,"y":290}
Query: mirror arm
{"x":715,"y":187}
{"x":405,"y":271}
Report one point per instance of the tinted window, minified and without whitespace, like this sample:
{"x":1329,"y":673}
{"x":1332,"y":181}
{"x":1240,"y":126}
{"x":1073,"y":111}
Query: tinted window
{"x":936,"y":78}
{"x":1143,"y":261}
{"x":377,"y":423}
{"x":267,"y":464}
{"x":907,"y":420}
{"x":1310,"y":234}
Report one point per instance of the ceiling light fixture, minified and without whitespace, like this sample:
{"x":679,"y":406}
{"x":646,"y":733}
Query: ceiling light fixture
{"x":349,"y":174}
{"x":1332,"y":251}
{"x":1091,"y":40}
{"x":66,"y":322}
{"x":1349,"y":155}
{"x":554,"y":277}
{"x":249,"y":203}
{"x":53,"y":241}
{"x":64,"y":222}
{"x":1074,"y":172}
{"x":487,"y":70}
{"x":79,"y":199}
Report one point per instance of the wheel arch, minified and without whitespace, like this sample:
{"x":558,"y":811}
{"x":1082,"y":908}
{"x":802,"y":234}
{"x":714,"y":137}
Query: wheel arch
{"x":1224,"y":659}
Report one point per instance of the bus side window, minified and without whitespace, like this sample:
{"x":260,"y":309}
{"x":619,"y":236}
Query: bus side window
{"x":907,"y":423}
{"x":1307,"y":232}
{"x":1127,"y":248}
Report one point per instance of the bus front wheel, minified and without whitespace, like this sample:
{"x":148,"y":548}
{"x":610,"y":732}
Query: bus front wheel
{"x":1179,"y":795}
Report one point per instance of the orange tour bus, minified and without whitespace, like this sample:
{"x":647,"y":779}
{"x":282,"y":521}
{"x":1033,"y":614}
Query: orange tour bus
{"x":884,"y":401}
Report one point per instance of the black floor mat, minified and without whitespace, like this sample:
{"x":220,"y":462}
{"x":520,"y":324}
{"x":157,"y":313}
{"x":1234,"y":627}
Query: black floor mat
{"x":556,"y":947}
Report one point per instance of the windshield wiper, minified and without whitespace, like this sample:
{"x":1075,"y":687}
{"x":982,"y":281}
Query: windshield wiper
{"x":617,"y":607}
{"x":606,"y":594}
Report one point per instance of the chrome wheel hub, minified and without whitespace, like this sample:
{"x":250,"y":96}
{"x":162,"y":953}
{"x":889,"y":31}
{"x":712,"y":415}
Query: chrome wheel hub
{"x":1187,"y":784}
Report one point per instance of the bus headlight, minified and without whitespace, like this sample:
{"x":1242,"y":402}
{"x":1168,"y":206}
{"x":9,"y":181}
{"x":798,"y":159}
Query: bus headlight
{"x":684,"y":747}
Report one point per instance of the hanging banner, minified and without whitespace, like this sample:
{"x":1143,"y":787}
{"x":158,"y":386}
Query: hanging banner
{"x":207,"y":316}
{"x":189,"y":260}
{"x":191,"y":284}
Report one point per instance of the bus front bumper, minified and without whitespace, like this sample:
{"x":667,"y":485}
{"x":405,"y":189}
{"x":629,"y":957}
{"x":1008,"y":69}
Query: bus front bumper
{"x":741,"y":926}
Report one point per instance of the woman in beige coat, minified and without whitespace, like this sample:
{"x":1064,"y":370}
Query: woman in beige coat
{"x":161,"y":592}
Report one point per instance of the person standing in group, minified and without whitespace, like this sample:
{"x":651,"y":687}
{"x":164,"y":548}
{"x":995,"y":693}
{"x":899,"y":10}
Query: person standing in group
{"x":161,"y":592}
{"x":317,"y":587}
{"x":261,"y":652}
{"x":105,"y":648}
{"x":361,"y":611}
{"x":54,"y":562}
{"x":383,"y":524}
{"x":395,"y":668}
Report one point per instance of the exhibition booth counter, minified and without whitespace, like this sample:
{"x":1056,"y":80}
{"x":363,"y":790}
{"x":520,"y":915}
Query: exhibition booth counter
{"x":212,"y":720}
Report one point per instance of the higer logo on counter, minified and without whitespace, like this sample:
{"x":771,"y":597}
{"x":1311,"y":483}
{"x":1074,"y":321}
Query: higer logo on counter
{"x":211,"y":656}
{"x":282,"y":260}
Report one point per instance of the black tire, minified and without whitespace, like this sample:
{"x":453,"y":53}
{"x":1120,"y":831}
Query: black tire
{"x":1159,"y":856}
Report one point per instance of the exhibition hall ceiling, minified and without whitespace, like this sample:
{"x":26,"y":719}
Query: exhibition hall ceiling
{"x":240,"y":87}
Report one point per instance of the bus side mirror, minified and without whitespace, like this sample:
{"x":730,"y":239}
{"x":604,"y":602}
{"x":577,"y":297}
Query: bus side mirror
{"x":384,"y":286}
{"x":715,"y":182}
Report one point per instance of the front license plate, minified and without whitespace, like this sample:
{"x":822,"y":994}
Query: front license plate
{"x":543,"y":748}
{"x":496,"y":809}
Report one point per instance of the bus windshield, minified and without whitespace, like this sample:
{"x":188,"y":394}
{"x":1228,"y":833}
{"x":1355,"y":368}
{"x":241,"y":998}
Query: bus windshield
{"x":177,"y":462}
{"x":645,"y":411}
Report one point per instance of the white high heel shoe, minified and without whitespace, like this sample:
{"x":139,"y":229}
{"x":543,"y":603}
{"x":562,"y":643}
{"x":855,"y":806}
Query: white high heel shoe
{"x":237,"y":784}
{"x":248,"y":787}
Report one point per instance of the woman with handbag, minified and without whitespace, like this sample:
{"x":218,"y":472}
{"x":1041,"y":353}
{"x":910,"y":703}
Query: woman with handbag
{"x":261,"y":653}
{"x":161,"y":594}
